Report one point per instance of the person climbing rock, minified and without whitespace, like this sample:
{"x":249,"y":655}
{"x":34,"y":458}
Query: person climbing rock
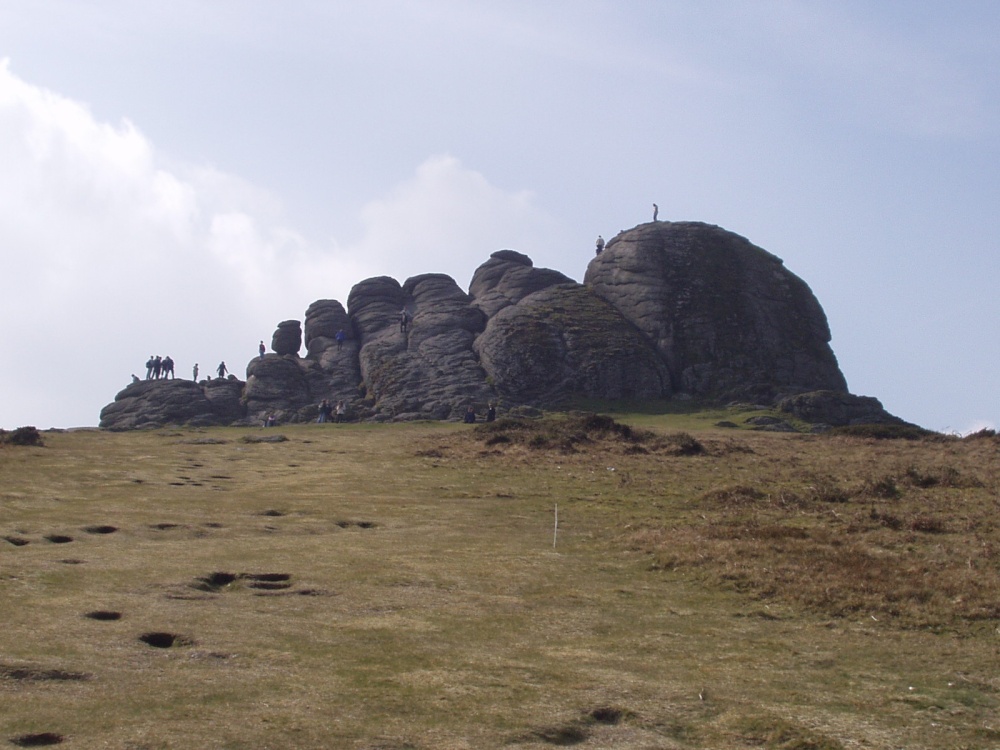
{"x":404,"y":320}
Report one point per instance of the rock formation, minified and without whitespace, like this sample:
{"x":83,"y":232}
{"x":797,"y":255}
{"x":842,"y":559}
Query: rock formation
{"x":668,"y":309}
{"x":729,"y":320}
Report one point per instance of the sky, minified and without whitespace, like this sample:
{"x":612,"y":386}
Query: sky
{"x":178,"y":178}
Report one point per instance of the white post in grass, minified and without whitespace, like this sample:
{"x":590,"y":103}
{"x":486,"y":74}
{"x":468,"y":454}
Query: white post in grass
{"x":555,"y":527}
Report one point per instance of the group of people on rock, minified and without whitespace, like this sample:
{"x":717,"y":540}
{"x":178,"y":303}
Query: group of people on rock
{"x":326,"y":409}
{"x":161,"y":368}
{"x":158,"y":367}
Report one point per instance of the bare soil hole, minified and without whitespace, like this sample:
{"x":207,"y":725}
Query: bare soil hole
{"x":215,"y":581}
{"x":59,"y":538}
{"x":164,"y":526}
{"x":366,"y":524}
{"x":72,"y":561}
{"x":213,"y":525}
{"x":16,"y":540}
{"x":104,"y":615}
{"x":38,"y":740}
{"x":607,"y":715}
{"x":100,"y":529}
{"x":272,"y":577}
{"x":165,"y":640}
{"x":273,"y":513}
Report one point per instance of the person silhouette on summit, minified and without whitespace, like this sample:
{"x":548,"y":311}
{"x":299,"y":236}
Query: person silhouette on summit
{"x":600,"y":244}
{"x":167,"y":367}
{"x":221,"y":369}
{"x":149,"y":367}
{"x":262,"y":349}
{"x":656,"y":211}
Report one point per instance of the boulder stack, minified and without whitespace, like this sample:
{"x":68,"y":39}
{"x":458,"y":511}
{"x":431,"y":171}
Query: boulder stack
{"x":667,"y":310}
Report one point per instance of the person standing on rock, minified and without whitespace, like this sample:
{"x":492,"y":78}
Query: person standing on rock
{"x":262,"y":349}
{"x":656,"y":211}
{"x":157,"y":367}
{"x":600,"y":244}
{"x":404,"y":320}
{"x":149,"y":367}
{"x":340,"y":337}
{"x":221,"y":369}
{"x":194,"y":372}
{"x":168,"y":367}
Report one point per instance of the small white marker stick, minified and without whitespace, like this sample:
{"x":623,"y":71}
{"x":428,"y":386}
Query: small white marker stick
{"x":555,"y":527}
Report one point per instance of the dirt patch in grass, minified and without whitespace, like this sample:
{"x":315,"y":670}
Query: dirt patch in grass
{"x":42,"y":739}
{"x":39,"y":674}
{"x":104,"y":615}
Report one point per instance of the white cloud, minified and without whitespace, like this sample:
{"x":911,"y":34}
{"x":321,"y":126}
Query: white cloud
{"x":111,"y":253}
{"x":448,"y":218}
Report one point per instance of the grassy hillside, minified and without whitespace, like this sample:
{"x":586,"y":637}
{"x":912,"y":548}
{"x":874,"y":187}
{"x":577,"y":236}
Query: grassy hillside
{"x":403,"y":586}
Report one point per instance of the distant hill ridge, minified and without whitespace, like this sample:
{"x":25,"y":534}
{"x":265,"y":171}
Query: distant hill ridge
{"x":668,"y":310}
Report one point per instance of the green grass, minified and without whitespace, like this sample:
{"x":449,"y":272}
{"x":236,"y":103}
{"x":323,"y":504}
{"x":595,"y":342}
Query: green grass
{"x":396,"y":586}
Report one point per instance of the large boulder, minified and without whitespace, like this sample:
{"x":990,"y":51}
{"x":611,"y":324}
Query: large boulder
{"x":324,"y":318}
{"x":287,"y":338}
{"x":727,"y":317}
{"x":428,"y":370}
{"x":507,"y":278}
{"x":157,"y":403}
{"x":276,"y":385}
{"x":837,"y":409}
{"x":566,"y":341}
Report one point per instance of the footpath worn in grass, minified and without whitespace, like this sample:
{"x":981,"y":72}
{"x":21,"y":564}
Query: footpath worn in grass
{"x":396,"y":586}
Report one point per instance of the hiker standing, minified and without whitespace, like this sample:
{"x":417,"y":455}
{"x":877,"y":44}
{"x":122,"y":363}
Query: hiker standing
{"x":221,"y":369}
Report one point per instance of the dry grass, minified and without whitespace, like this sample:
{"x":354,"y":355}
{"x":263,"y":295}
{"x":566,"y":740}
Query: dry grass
{"x":397,"y":587}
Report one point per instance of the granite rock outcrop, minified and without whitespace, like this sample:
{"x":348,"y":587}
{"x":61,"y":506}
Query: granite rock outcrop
{"x":729,"y":320}
{"x":667,"y":310}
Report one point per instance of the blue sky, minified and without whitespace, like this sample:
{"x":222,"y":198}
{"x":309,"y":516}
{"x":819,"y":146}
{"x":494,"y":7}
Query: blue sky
{"x":179,"y":178}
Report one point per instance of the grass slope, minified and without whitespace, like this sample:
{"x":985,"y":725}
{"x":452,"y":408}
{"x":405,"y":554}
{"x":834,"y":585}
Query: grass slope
{"x":377,"y":586}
